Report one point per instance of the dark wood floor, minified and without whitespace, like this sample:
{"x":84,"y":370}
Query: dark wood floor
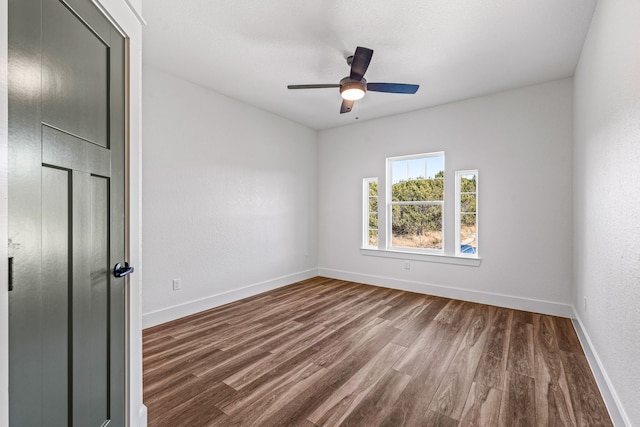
{"x":328,"y":352}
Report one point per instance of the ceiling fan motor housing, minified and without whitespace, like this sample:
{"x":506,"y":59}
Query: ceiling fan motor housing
{"x":352,"y":89}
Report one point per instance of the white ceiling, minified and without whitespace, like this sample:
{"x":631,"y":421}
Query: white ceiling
{"x":454,"y":49}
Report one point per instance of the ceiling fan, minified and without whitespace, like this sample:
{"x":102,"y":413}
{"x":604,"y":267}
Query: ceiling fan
{"x":354,"y":86}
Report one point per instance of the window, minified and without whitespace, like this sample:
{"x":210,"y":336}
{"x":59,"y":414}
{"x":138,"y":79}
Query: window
{"x":467,"y":213}
{"x":415,"y":200}
{"x":370,"y":211}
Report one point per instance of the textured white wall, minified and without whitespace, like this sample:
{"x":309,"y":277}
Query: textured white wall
{"x":519,"y":140}
{"x":607,"y":198}
{"x":229,"y":193}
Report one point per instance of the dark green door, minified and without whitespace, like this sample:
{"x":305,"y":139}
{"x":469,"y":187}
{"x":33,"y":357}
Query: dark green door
{"x":66,"y":215}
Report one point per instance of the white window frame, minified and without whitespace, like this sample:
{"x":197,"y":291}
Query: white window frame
{"x":390,"y":203}
{"x":459,"y":213}
{"x":366,"y":210}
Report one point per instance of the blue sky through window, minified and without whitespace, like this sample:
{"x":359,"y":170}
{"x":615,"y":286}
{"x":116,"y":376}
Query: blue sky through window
{"x":426,"y":167}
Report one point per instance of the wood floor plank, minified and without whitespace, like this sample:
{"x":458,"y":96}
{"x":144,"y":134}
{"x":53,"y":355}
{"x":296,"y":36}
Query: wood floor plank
{"x":588,"y":406}
{"x":435,"y":419}
{"x":308,"y":401}
{"x":402,"y":305}
{"x":331,"y":352}
{"x":439,"y":337}
{"x":265,"y":402}
{"x":325,"y":346}
{"x":553,"y":403}
{"x":567,"y":337}
{"x":308,"y":335}
{"x":521,"y":354}
{"x":429,"y":357}
{"x":337,"y":406}
{"x":454,"y":388}
{"x":493,"y":362}
{"x":482,"y":407}
{"x":379,"y":402}
{"x":407,"y":317}
{"x":198,"y":395}
{"x":518,"y":408}
{"x":417,"y":326}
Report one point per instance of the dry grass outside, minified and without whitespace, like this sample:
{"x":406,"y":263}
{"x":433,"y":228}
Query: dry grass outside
{"x":468,"y":236}
{"x":428,"y":240}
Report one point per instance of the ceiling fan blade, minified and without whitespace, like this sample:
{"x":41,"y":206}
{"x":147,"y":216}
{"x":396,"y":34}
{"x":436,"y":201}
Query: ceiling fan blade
{"x":360,"y":62}
{"x":320,"y":86}
{"x":392,"y":87}
{"x":346,"y":106}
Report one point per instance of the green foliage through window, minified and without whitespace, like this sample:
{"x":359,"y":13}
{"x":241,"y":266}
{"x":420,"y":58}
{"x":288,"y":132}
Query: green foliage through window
{"x":371,"y":212}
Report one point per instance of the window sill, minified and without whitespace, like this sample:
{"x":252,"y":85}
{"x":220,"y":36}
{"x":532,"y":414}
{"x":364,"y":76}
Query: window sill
{"x":413,"y":256}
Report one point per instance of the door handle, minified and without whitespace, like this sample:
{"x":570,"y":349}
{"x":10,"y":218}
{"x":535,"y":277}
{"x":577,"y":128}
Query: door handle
{"x":120,"y":270}
{"x":10,"y":268}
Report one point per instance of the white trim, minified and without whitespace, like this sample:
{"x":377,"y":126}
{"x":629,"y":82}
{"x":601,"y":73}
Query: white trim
{"x":417,"y":156}
{"x":424,"y":257}
{"x":188,"y":308}
{"x":500,"y":300}
{"x":609,"y":395}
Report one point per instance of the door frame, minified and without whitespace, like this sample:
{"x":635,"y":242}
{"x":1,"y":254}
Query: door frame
{"x":129,"y":22}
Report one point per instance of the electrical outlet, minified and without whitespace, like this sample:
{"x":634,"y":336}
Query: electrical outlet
{"x":407,"y":265}
{"x":177,"y":284}
{"x":585,"y":304}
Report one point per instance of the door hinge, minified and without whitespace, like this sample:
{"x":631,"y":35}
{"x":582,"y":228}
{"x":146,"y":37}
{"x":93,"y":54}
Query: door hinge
{"x":10,"y":270}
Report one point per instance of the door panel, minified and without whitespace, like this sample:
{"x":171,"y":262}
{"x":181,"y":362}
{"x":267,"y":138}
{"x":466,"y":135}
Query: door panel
{"x":55,"y":292}
{"x":69,"y":152}
{"x":75,"y":75}
{"x":66,"y":215}
{"x":90,"y":301}
{"x":92,"y":16}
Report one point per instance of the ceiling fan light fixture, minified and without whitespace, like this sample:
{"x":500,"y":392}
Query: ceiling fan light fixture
{"x":352,"y":90}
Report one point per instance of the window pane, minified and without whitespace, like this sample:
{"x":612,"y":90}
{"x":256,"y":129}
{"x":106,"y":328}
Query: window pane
{"x":468,"y":184}
{"x":373,"y":237}
{"x":417,"y":226}
{"x":435,"y":167}
{"x":373,"y":189}
{"x":416,"y":169}
{"x":373,"y":220}
{"x":468,"y":243}
{"x":430,"y":167}
{"x":373,"y":204}
{"x":370,"y":213}
{"x":468,"y":220}
{"x":467,"y":203}
{"x":418,"y":190}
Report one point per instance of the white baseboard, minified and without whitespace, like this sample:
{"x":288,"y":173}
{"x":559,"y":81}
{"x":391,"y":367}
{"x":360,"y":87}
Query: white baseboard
{"x":186,"y":309}
{"x":616,"y":410}
{"x":507,"y":301}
